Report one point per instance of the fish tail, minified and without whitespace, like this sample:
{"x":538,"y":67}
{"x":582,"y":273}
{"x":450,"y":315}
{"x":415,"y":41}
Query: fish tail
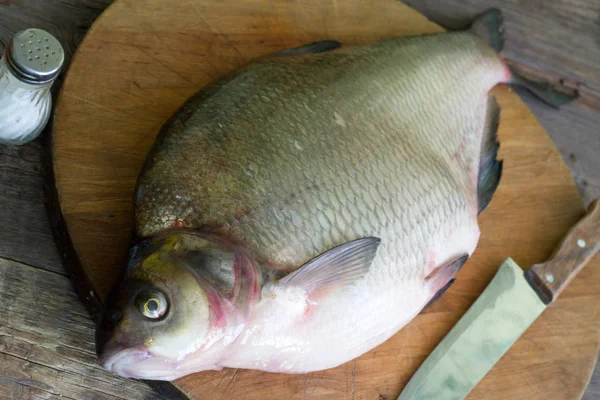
{"x":489,"y":26}
{"x":541,"y":90}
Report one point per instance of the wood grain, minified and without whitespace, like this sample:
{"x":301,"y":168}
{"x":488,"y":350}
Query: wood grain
{"x":47,"y":342}
{"x":579,"y":245}
{"x":575,"y":132}
{"x":25,"y":234}
{"x":143,"y":58}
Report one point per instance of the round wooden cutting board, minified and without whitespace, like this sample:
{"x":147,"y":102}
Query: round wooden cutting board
{"x":143,"y":58}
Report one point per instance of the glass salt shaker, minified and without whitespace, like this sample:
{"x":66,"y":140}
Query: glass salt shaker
{"x":30,"y":64}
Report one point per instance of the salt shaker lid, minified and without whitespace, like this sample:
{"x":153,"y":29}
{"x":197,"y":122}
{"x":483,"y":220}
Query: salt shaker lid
{"x":35,"y":56}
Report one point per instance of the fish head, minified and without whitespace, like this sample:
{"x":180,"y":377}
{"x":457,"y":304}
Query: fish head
{"x":182,"y":300}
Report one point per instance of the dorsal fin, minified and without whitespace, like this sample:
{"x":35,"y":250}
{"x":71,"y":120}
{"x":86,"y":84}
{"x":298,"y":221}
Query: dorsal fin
{"x":489,"y":27}
{"x":490,"y":169}
{"x":311,"y":48}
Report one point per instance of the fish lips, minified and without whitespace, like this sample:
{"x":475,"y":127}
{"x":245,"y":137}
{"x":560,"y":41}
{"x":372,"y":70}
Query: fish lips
{"x":137,"y":363}
{"x":122,"y":360}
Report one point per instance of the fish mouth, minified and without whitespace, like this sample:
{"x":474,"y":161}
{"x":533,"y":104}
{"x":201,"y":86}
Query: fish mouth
{"x":139,"y":363}
{"x":121,"y":360}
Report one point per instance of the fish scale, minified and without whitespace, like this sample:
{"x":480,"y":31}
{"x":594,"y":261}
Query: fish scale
{"x":295,"y":155}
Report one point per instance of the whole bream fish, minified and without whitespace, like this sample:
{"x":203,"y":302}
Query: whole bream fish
{"x":299,"y":212}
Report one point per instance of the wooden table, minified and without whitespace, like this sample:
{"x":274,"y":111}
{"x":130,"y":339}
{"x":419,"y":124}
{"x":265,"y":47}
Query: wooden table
{"x":46,"y":349}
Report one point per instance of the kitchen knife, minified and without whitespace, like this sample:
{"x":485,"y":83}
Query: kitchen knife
{"x":505,"y":309}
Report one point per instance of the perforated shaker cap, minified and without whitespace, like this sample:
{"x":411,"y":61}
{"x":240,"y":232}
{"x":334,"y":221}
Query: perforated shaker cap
{"x":35,"y":56}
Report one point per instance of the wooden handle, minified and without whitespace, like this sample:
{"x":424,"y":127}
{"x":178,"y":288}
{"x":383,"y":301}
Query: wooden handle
{"x":577,"y":248}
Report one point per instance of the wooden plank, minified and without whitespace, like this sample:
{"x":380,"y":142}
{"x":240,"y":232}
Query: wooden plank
{"x":47,"y":342}
{"x":25,"y":235}
{"x":576,"y":132}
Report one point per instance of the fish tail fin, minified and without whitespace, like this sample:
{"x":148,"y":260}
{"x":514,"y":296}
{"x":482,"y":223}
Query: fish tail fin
{"x":489,"y":26}
{"x":443,"y":277}
{"x":543,"y":91}
{"x":490,"y":169}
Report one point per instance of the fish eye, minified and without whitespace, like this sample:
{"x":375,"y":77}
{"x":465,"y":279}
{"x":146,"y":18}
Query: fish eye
{"x":152,"y":304}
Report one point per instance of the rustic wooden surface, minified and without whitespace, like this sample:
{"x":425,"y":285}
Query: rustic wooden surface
{"x":46,"y":341}
{"x":143,"y":58}
{"x":25,"y":235}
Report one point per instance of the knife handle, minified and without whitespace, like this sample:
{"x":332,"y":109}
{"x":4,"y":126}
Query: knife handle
{"x":580,"y":244}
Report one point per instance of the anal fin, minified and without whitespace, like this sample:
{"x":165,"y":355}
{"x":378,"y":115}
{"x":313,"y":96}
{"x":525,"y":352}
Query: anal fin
{"x":439,"y":293}
{"x":490,"y":169}
{"x":442,"y":277}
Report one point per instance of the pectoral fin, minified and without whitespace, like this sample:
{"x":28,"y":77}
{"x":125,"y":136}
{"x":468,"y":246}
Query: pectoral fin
{"x":337,"y":268}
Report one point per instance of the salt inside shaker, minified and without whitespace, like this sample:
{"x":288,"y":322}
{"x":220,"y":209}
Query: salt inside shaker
{"x":30,"y":64}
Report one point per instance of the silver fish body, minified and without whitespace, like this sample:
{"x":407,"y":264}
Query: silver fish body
{"x":293,"y":156}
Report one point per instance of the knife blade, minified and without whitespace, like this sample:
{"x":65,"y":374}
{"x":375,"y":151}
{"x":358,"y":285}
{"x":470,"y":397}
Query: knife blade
{"x":510,"y":303}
